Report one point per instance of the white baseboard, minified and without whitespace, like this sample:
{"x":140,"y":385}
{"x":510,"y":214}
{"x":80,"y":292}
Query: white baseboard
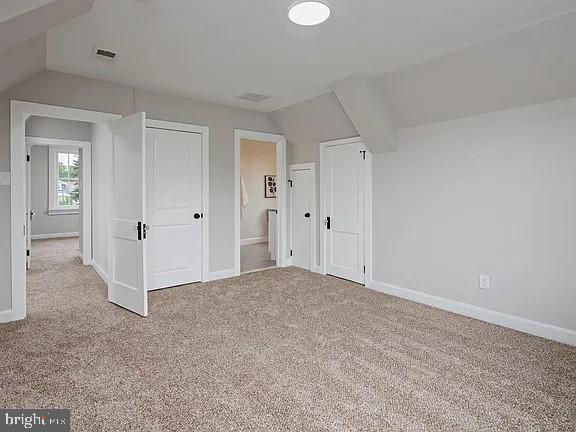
{"x":100,"y":271}
{"x":535,"y":328}
{"x":316,"y":269}
{"x":253,"y":240}
{"x":221,"y":274}
{"x":54,"y":235}
{"x":5,"y":316}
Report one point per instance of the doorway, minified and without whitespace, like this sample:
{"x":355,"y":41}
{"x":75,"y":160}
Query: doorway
{"x":345,"y":205}
{"x":58,"y":184}
{"x":260,"y":202}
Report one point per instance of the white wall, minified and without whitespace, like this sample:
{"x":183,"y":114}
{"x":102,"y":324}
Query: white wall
{"x":257,"y":159}
{"x":492,"y":194}
{"x":101,"y":186}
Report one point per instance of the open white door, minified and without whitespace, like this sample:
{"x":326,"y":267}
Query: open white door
{"x":344,"y":211}
{"x":29,"y":212}
{"x":127,"y":279}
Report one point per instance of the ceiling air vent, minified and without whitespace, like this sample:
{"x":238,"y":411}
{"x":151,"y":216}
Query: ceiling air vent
{"x":104,"y":54}
{"x":254,"y":97}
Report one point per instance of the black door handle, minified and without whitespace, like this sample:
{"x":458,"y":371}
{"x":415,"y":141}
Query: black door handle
{"x":196,"y":215}
{"x":307,"y":215}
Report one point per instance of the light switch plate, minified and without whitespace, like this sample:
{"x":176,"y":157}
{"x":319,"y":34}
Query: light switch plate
{"x":4,"y":179}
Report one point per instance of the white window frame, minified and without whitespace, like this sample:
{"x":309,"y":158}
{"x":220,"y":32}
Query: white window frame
{"x":53,"y":207}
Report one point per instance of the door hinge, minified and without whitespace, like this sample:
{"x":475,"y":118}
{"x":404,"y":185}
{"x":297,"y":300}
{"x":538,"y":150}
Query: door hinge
{"x":364,"y":269}
{"x":27,"y":252}
{"x":27,"y":158}
{"x":363,"y":152}
{"x":290,"y":252}
{"x":290,"y":183}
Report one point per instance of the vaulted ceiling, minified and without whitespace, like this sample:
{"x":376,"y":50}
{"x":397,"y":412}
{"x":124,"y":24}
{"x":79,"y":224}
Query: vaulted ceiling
{"x":217,"y":50}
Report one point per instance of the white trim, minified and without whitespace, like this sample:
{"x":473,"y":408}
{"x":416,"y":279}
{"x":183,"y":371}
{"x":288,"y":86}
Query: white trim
{"x":221,"y":274}
{"x":368,"y":219}
{"x":535,"y":328}
{"x":314,"y":217}
{"x":317,"y":269}
{"x":33,"y":140}
{"x":98,"y":269}
{"x":205,"y":132}
{"x":281,"y":195}
{"x":6,"y":316}
{"x":19,"y":112}
{"x":253,"y":240}
{"x":54,"y":235}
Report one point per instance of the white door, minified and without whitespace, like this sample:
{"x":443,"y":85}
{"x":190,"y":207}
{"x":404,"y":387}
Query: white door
{"x":344,"y":211}
{"x":175,"y":211}
{"x":127,"y":279}
{"x":303,"y":207}
{"x":29,"y":212}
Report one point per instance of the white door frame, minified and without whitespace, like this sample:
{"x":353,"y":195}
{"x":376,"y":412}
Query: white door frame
{"x":314,"y":217}
{"x":281,"y":183}
{"x":367,"y":206}
{"x":19,"y":113}
{"x":86,"y":185}
{"x":204,"y":131}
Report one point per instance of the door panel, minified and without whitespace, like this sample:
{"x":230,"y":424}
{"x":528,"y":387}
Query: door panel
{"x":174,"y":207}
{"x":127,"y":283}
{"x":344,"y":205}
{"x":302,"y":208}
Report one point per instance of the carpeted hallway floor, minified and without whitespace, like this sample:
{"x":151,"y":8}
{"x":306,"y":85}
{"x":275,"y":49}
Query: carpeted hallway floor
{"x":277,"y":350}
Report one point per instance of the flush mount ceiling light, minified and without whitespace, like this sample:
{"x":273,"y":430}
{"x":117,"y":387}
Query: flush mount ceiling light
{"x":309,"y":13}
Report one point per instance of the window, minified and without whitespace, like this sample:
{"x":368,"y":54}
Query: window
{"x":64,"y":180}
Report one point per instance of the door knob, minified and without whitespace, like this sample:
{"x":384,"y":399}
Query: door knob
{"x":196,"y":215}
{"x":307,"y":215}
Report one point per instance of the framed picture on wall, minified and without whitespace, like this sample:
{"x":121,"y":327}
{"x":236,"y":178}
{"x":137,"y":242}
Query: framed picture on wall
{"x":269,"y":186}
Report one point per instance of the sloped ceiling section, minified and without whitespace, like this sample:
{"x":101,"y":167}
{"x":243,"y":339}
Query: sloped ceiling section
{"x":20,"y":62}
{"x":368,"y":111}
{"x":529,"y":66}
{"x":22,"y":20}
{"x":533,"y":65}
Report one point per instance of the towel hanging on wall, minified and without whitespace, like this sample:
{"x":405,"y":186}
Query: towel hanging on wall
{"x":244,"y":199}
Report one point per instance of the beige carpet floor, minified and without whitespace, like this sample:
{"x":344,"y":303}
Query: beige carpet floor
{"x":277,"y":350}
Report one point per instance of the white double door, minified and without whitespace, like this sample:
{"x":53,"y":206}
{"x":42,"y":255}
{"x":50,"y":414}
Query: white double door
{"x":175,"y":214}
{"x":155,"y":237}
{"x":343,"y":198}
{"x":303,"y":218}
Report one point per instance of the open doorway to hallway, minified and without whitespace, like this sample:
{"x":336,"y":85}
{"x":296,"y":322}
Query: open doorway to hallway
{"x":258,"y":205}
{"x":54,"y":192}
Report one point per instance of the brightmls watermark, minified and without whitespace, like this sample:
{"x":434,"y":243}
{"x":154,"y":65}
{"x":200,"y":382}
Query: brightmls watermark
{"x":34,"y":420}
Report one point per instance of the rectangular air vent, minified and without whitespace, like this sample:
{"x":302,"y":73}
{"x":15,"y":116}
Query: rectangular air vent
{"x":104,"y":54}
{"x":254,"y":97}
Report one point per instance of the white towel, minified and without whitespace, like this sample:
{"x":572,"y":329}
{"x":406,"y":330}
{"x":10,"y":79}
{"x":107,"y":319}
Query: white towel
{"x":244,"y":199}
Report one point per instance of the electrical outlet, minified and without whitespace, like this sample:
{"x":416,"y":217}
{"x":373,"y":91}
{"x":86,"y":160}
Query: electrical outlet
{"x":484,"y":282}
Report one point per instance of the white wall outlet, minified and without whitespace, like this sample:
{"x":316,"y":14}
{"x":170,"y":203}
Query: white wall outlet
{"x":484,"y":282}
{"x":4,"y":179}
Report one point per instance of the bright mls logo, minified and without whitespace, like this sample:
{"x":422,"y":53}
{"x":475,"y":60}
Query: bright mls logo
{"x":15,"y":420}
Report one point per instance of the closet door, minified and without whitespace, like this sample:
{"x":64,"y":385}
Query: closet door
{"x":344,"y":210}
{"x":175,"y":212}
{"x":303,"y":207}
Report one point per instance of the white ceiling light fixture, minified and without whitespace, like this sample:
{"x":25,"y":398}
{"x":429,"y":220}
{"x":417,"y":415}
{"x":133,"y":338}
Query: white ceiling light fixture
{"x":309,"y":13}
